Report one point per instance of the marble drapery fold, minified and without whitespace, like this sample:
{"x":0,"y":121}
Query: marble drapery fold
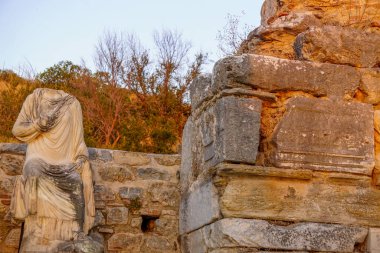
{"x":54,"y":195}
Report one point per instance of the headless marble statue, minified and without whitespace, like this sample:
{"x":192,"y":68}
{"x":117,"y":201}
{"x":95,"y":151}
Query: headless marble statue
{"x":54,"y":195}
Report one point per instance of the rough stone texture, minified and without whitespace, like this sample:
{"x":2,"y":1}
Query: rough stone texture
{"x":199,"y":206}
{"x":186,"y":176}
{"x":11,"y":164}
{"x":373,"y":240}
{"x":152,"y":174}
{"x":297,"y":195}
{"x":369,"y":85}
{"x":122,"y":199}
{"x":125,"y":242}
{"x":283,"y":20}
{"x":325,"y":135}
{"x":226,"y":131}
{"x":277,"y":38}
{"x":117,"y":215}
{"x":275,"y":74}
{"x":200,"y":90}
{"x":230,"y":233}
{"x":131,"y":192}
{"x":120,"y":174}
{"x":339,"y":45}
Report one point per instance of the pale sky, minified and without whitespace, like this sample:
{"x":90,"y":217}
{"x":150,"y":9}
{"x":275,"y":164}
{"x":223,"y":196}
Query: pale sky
{"x":44,"y":32}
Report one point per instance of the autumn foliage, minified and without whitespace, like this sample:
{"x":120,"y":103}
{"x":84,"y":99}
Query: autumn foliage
{"x":135,"y":100}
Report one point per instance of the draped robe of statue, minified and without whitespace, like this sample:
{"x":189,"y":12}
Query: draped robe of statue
{"x":54,"y":195}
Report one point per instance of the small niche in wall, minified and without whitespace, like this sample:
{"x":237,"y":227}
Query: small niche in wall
{"x":148,"y":223}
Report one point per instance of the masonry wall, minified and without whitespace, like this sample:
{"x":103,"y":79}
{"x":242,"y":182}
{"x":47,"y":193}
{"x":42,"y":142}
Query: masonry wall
{"x":136,"y":194}
{"x":281,"y":151}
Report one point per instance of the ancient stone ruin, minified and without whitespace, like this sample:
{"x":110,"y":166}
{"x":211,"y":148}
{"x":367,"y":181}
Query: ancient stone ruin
{"x":280,"y":154}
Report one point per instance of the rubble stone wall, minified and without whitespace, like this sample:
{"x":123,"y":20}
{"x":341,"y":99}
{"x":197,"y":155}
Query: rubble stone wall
{"x":136,"y":194}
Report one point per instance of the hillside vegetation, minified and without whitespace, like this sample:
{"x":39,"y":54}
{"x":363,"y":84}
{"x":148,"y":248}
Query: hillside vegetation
{"x":135,"y":100}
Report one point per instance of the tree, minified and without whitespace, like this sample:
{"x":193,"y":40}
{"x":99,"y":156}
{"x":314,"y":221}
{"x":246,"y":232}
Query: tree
{"x":60,"y":75}
{"x":157,"y":85}
{"x":232,"y":35}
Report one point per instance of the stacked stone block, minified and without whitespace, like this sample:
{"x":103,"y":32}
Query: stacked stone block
{"x":280,"y":154}
{"x":136,"y":197}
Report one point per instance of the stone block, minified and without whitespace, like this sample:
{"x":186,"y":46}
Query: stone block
{"x":260,"y":234}
{"x":100,"y":154}
{"x":339,"y":45}
{"x":103,"y":193}
{"x":226,"y":131}
{"x":297,"y":195}
{"x":130,"y":158}
{"x":275,"y":74}
{"x":117,"y":215}
{"x":131,"y":192}
{"x":136,"y":222}
{"x":11,"y":164}
{"x":165,"y":194}
{"x":166,"y":226}
{"x":157,"y":244}
{"x":115,"y":173}
{"x":99,"y":218}
{"x":125,"y":241}
{"x":13,"y":148}
{"x":373,"y":240}
{"x":200,"y":90}
{"x":369,"y":85}
{"x":186,"y":176}
{"x":198,"y":207}
{"x":325,"y":135}
{"x":168,"y":160}
{"x":150,"y":173}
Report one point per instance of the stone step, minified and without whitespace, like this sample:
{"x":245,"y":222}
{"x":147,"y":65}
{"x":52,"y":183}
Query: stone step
{"x":294,"y":195}
{"x":259,"y":234}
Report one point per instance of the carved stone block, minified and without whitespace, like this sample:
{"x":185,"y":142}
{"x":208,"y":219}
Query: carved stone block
{"x":275,"y":74}
{"x":325,"y":135}
{"x":226,"y":131}
{"x":259,"y":234}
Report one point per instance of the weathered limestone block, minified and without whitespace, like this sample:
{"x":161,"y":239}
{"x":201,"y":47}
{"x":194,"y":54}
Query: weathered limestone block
{"x":277,"y":38}
{"x":275,"y":74}
{"x":369,"y":85}
{"x":130,"y":158}
{"x":231,"y":233}
{"x":339,"y":45}
{"x":100,"y":154}
{"x":186,"y":176}
{"x":13,"y":148}
{"x":117,"y":215}
{"x":165,"y":194}
{"x":198,"y":207}
{"x":167,"y":160}
{"x":200,"y":89}
{"x":131,"y":192}
{"x":325,"y":135}
{"x":297,"y":195}
{"x":115,"y":173}
{"x":373,"y":240}
{"x":125,"y":241}
{"x":362,"y":14}
{"x":226,"y":131}
{"x":157,"y":244}
{"x":150,"y":173}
